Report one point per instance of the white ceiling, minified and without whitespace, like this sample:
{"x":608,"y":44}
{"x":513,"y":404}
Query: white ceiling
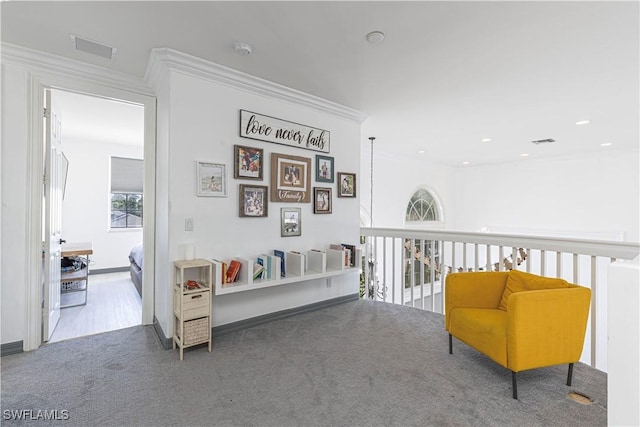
{"x":447,"y":75}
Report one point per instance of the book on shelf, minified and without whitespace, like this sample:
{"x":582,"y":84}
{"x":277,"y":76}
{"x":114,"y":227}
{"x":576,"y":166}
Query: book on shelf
{"x":283,"y":265}
{"x":266,"y":263}
{"x":233,"y":270}
{"x":258,"y":271}
{"x":352,"y":254}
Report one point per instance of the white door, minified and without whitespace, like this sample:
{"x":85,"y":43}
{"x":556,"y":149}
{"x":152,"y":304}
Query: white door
{"x":53,"y":187}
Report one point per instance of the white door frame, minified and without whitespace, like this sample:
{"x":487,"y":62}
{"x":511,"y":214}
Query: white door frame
{"x":33,"y":288}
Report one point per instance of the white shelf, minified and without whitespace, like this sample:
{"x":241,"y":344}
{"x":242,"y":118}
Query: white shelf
{"x":231,"y":288}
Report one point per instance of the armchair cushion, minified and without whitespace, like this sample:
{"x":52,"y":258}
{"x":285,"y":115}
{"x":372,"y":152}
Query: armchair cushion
{"x":518,"y":281}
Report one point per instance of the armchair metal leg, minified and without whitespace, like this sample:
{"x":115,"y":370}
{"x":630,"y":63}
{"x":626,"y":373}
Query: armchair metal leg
{"x":450,"y":344}
{"x":514,"y":381}
{"x":570,"y":374}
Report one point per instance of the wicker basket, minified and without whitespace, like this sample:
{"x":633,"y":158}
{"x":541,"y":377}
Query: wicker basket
{"x":196,"y":331}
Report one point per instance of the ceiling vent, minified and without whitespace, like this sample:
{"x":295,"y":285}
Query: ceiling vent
{"x":93,"y":47}
{"x":543,"y":141}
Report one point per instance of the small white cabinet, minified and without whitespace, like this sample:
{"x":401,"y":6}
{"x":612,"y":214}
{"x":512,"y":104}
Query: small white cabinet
{"x":192,"y":303}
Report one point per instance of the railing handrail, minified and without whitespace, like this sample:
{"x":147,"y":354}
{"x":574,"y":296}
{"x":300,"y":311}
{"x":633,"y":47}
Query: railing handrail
{"x":602,"y":248}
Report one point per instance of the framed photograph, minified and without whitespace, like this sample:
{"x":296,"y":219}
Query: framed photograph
{"x":247,"y":162}
{"x":211,"y":179}
{"x":254,"y":200}
{"x":290,"y":179}
{"x":324,"y":169}
{"x":346,"y":184}
{"x":321,"y":200}
{"x":291,"y":224}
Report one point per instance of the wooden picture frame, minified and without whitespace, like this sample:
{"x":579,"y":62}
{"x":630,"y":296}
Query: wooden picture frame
{"x":290,"y":179}
{"x":346,"y":184}
{"x":290,"y":222}
{"x":324,"y":169}
{"x":253,"y":200}
{"x":248,"y":162}
{"x":321,"y":200}
{"x":211,"y":179}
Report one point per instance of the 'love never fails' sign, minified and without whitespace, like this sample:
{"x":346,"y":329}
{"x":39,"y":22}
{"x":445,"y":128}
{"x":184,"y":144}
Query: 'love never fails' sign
{"x":270,"y":129}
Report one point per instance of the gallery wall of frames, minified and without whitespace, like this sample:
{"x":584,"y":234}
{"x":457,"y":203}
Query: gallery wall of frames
{"x":256,"y":170}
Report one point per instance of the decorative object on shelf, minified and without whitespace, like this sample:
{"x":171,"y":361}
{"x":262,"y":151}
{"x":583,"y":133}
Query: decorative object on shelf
{"x":248,"y":162}
{"x":290,"y":178}
{"x":291,"y":222}
{"x":346,"y":184}
{"x":324,"y":168}
{"x":254,"y":200}
{"x":269,"y":129}
{"x":211,"y":179}
{"x":321,"y":200}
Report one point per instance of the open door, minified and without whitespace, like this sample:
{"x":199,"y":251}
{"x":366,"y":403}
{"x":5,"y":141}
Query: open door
{"x":54,"y":171}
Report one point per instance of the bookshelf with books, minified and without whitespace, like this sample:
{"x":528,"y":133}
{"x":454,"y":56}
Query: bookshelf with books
{"x":300,"y":266}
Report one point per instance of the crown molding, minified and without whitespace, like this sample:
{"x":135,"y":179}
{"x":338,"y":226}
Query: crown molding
{"x":163,"y":60}
{"x":47,"y":63}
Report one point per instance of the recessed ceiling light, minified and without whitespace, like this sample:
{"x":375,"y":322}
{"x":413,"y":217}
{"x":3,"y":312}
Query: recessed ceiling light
{"x":375,"y":37}
{"x":420,"y":151}
{"x":243,"y":49}
{"x":606,"y":144}
{"x":465,"y":162}
{"x":486,"y":140}
{"x":583,"y":122}
{"x":524,"y":155}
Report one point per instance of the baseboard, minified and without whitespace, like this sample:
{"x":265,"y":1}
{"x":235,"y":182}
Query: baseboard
{"x":108,"y":270}
{"x":228,"y":328}
{"x":11,"y":348}
{"x":164,"y":341}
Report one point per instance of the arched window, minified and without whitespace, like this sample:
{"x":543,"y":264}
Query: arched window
{"x":422,"y":207}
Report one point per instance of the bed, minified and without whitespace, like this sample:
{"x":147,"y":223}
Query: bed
{"x":135,"y":267}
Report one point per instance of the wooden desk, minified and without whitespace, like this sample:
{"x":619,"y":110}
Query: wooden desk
{"x":76,"y":281}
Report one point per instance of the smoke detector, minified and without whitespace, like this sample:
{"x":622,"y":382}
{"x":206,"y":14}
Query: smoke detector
{"x":243,"y":49}
{"x":543,"y":141}
{"x":93,"y":47}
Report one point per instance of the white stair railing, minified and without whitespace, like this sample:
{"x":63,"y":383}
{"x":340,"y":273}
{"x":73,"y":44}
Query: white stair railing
{"x":409,"y":267}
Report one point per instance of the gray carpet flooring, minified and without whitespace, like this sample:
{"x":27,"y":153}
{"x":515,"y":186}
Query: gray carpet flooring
{"x":355,"y":364}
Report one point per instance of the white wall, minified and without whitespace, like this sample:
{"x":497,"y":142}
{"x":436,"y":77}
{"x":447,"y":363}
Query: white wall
{"x":203,"y":124}
{"x":15,"y":191}
{"x":594,"y":194}
{"x":85,"y":210}
{"x":396,"y":178}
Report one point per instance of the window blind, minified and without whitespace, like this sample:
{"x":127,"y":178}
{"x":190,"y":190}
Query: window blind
{"x":126,"y":175}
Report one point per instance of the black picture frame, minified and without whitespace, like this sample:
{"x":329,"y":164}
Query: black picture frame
{"x":248,"y":162}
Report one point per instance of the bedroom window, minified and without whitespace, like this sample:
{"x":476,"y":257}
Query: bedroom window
{"x":126,"y":194}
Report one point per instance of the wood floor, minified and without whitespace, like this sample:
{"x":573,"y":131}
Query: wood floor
{"x":113,"y":303}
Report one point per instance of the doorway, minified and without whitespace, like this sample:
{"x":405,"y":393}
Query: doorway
{"x":103,"y":140}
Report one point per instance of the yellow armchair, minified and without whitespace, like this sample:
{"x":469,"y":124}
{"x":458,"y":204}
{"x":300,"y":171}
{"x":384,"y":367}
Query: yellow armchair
{"x":519,"y":320}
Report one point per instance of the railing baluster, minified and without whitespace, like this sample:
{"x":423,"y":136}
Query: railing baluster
{"x":464,"y":256}
{"x":476,"y":255}
{"x":543,"y":262}
{"x":593,"y":312}
{"x":501,"y":258}
{"x":412,"y":269}
{"x":558,"y":264}
{"x":422,"y":258}
{"x":432,"y":271}
{"x":528,"y":252}
{"x":384,"y":269}
{"x":393,"y":270}
{"x":575,"y":269}
{"x":488,"y":266}
{"x":453,"y":257}
{"x":514,"y":259}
